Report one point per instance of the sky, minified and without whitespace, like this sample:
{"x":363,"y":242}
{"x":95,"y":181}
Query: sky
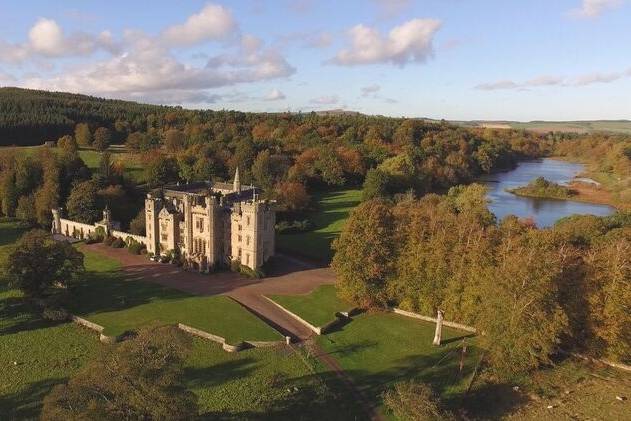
{"x":453,"y":59}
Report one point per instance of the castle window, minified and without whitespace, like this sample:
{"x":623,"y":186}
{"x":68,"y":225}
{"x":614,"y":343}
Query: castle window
{"x":247,"y":221}
{"x":247,"y":259}
{"x":199,"y":224}
{"x":239,"y":254}
{"x":164,"y":236}
{"x":247,"y":240}
{"x":239,"y":238}
{"x":240,"y":227}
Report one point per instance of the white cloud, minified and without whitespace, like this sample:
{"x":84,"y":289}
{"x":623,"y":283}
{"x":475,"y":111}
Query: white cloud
{"x":326,"y":100}
{"x":407,"y":43}
{"x":370,"y":90}
{"x":541,"y":81}
{"x":274,"y":95}
{"x":147,"y":68}
{"x":151,"y":70}
{"x":47,"y":39}
{"x":213,"y":22}
{"x":594,"y":8}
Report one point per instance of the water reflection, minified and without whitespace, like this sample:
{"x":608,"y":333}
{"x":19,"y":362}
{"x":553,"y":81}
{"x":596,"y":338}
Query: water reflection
{"x":545,"y":212}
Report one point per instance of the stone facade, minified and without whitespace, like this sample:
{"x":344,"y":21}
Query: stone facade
{"x":210,"y":224}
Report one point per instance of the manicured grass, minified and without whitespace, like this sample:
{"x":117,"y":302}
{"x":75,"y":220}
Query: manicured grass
{"x":120,"y":305}
{"x":262,"y":383}
{"x":379,"y":349}
{"x":328,"y":220}
{"x":35,"y":354}
{"x":318,"y":307}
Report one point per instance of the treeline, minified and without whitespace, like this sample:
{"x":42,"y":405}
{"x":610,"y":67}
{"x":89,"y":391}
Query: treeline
{"x":31,"y":185}
{"x":530,"y":291}
{"x":608,"y":158}
{"x":30,"y":117}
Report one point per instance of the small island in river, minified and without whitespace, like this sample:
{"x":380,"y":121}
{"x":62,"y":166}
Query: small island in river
{"x":545,"y":189}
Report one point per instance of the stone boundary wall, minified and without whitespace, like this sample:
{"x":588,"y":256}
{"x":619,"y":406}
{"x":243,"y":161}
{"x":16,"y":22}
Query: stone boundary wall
{"x":433,"y":320}
{"x":124,"y":235}
{"x":68,"y":226}
{"x":226,"y":346}
{"x":97,"y":328}
{"x":613,"y":364}
{"x":188,"y":329}
{"x":319,"y":330}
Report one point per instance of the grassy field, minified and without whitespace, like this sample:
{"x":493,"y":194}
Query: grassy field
{"x":263,"y":383}
{"x":328,"y":220}
{"x":379,"y":349}
{"x":318,"y":307}
{"x":587,"y":126}
{"x":120,"y":305}
{"x":133,"y":167}
{"x":35,"y":354}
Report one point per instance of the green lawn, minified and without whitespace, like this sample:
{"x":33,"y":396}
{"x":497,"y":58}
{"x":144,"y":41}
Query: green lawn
{"x":263,"y":383}
{"x":118,"y":304}
{"x":333,"y":210}
{"x":318,"y":307}
{"x":35,"y":354}
{"x":380,"y":349}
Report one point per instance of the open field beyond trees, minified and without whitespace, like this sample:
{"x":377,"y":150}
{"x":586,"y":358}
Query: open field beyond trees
{"x":328,"y":220}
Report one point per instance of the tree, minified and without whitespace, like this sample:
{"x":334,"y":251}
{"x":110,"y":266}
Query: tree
{"x":364,"y":254}
{"x":519,"y":311}
{"x":173,"y":140}
{"x":140,"y":378}
{"x":412,"y":401}
{"x":26,"y":209}
{"x":83,"y":203}
{"x":68,"y":144}
{"x":262,"y":170}
{"x":38,"y":263}
{"x":28,"y":174}
{"x":9,"y":193}
{"x":162,"y":170}
{"x":138,"y":225}
{"x":83,"y":135}
{"x":292,"y":195}
{"x":102,"y":138}
{"x":376,"y":185}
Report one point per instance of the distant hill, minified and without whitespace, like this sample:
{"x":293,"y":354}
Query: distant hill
{"x":581,"y":126}
{"x":30,"y":117}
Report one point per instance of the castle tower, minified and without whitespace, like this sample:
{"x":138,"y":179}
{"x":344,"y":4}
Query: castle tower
{"x":236,"y":185}
{"x":107,"y":216}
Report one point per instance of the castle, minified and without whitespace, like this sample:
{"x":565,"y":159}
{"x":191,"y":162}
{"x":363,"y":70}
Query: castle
{"x":207,"y":224}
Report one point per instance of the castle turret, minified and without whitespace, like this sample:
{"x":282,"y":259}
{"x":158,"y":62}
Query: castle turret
{"x":236,"y":185}
{"x":56,"y":228}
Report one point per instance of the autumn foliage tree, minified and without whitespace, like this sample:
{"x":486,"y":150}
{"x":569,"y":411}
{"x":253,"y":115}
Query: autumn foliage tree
{"x":140,"y":378}
{"x":364,"y":254}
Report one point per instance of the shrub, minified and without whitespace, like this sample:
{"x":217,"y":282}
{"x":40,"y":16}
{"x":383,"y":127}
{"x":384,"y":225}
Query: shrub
{"x":55,"y":313}
{"x":294,"y":226}
{"x":109,"y":240}
{"x":135,"y":247}
{"x":236,"y":266}
{"x":414,"y":402}
{"x":118,"y":243}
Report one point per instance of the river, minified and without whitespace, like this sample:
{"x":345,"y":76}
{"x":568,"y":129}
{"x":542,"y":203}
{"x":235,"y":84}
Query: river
{"x":545,"y":212}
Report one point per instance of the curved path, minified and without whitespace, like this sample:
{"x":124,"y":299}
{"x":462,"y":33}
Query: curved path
{"x":289,"y":276}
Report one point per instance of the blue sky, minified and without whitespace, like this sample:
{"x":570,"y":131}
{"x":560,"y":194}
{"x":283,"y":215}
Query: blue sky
{"x":452,"y":59}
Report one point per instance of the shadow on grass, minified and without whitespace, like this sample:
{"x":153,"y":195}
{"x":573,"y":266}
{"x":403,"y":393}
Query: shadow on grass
{"x":214,"y":376}
{"x":22,"y":316}
{"x":113,"y":291}
{"x":26,"y":404}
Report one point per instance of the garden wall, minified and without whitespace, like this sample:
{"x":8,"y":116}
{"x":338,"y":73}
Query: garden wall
{"x":75,"y":229}
{"x":433,"y":320}
{"x":124,"y":235}
{"x":319,"y":330}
